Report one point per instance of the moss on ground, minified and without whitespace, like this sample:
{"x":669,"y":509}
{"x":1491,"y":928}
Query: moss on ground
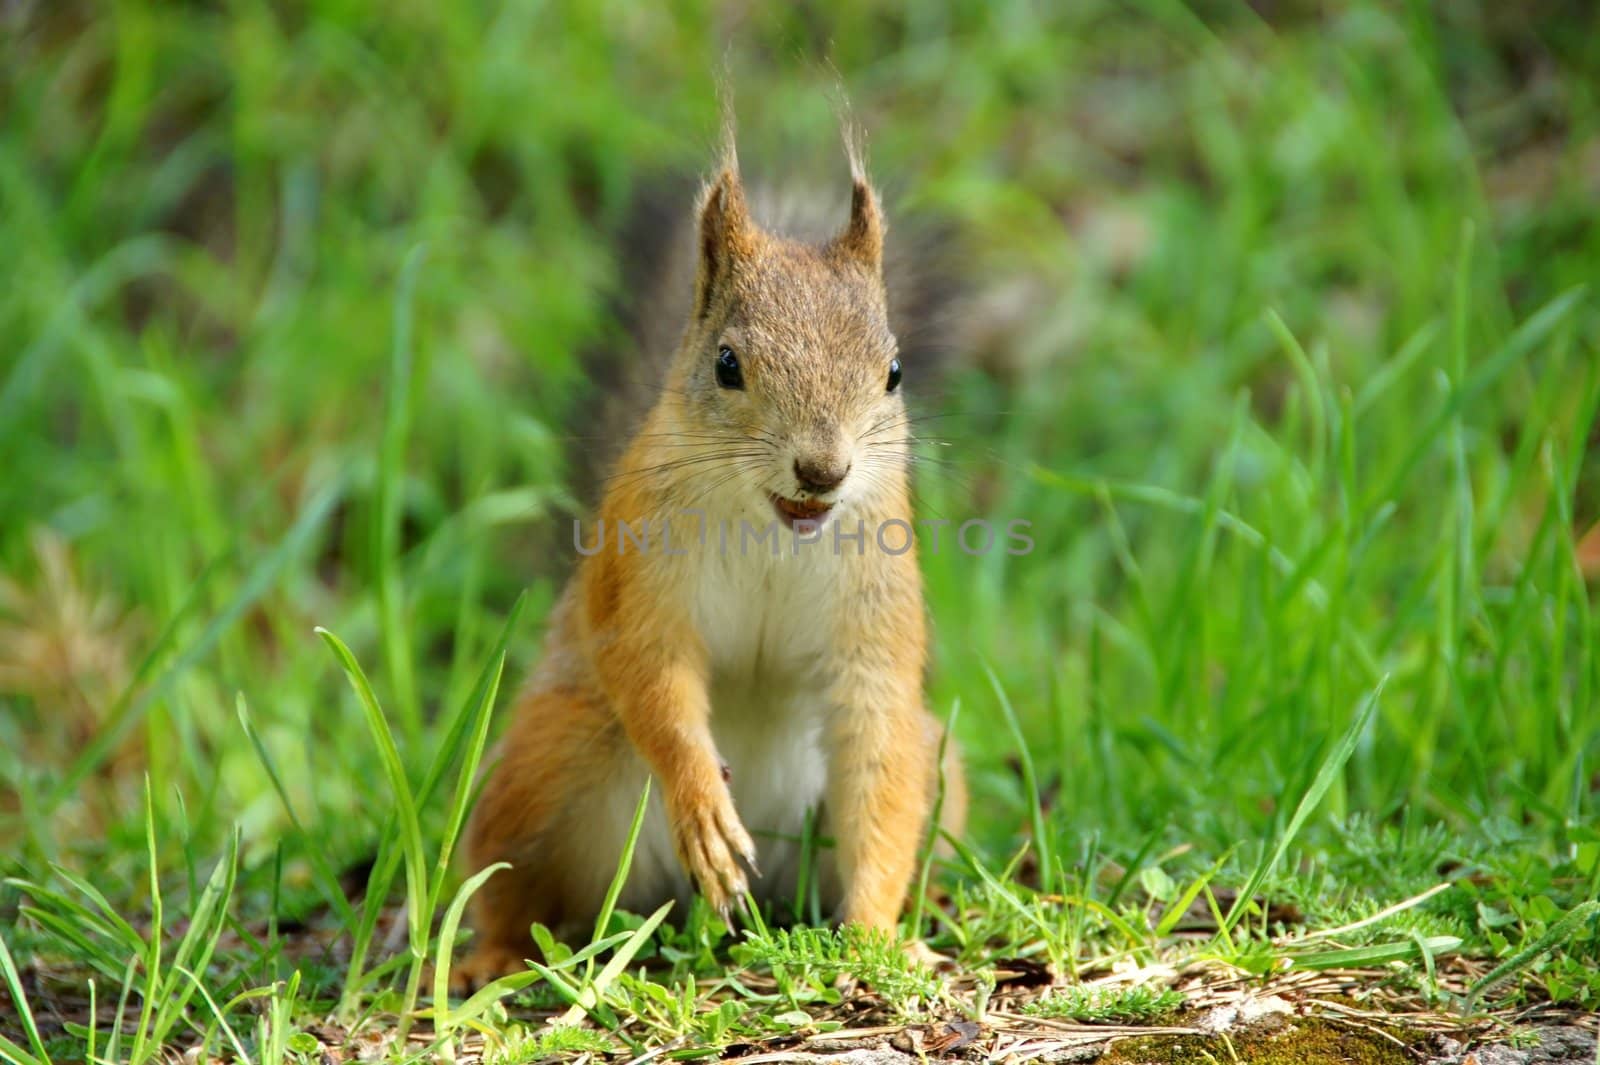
{"x":1303,"y":1041}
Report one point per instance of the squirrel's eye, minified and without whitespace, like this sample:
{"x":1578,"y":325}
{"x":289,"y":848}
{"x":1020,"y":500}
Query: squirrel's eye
{"x":728,"y":373}
{"x":894,"y":374}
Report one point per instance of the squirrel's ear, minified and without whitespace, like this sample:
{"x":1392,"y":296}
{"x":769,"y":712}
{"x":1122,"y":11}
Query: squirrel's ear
{"x":725,"y":234}
{"x":862,"y":238}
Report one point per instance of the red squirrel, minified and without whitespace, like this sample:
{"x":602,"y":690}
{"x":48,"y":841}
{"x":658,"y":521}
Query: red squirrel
{"x":759,"y":652}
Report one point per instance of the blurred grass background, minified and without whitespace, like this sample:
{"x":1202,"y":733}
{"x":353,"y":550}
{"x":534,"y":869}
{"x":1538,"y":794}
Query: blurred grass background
{"x":1293,"y":370}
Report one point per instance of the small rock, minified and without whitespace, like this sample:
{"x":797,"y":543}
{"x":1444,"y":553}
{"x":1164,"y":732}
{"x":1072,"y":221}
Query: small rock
{"x":1247,"y":1011}
{"x":1497,"y":1054}
{"x":1563,"y":1043}
{"x":1074,"y":1055}
{"x":1556,"y":1045}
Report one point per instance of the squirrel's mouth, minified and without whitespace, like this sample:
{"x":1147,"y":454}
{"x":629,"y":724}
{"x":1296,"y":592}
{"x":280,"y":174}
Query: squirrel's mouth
{"x":793,"y":510}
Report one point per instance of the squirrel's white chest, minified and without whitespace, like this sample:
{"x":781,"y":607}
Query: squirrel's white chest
{"x":766,"y":623}
{"x":765,"y":618}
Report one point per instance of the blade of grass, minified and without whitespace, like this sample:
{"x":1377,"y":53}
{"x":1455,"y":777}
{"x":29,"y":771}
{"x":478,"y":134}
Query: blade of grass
{"x":444,"y":1021}
{"x":321,"y":868}
{"x":1175,"y":912}
{"x":195,"y":949}
{"x":1382,"y":915}
{"x":589,"y":997}
{"x":142,"y":1043}
{"x":920,"y":897}
{"x":11,"y":1052}
{"x":1559,"y":932}
{"x":19,"y":1002}
{"x":388,"y":859}
{"x":108,"y":922}
{"x":220,"y":1019}
{"x":394,"y":770}
{"x":1029,"y":915}
{"x":1524,"y":340}
{"x":1331,"y":766}
{"x":1043,"y":848}
{"x":1377,"y":954}
{"x":386,"y":516}
{"x":480,"y":716}
{"x":620,"y":877}
{"x":410,"y":829}
{"x":114,"y":1043}
{"x":465,"y":718}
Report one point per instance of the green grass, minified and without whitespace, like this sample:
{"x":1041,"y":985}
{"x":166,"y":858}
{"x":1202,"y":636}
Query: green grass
{"x":1290,"y":359}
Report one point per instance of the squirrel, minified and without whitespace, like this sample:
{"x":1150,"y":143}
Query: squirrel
{"x":751,"y":633}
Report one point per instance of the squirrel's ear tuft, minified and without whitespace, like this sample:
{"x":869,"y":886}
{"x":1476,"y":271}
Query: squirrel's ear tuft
{"x":725,"y":232}
{"x":862,"y":238}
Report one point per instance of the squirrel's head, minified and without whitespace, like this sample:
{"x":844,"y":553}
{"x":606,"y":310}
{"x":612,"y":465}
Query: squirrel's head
{"x":788,"y":357}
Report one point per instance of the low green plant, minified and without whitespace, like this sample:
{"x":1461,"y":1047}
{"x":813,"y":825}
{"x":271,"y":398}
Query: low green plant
{"x":808,"y":964}
{"x":1116,"y":1004}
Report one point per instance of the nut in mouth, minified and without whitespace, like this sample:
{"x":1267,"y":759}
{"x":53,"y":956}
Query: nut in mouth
{"x":791,"y":511}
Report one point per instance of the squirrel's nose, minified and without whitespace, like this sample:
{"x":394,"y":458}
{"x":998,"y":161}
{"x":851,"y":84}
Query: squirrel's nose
{"x":820,"y":478}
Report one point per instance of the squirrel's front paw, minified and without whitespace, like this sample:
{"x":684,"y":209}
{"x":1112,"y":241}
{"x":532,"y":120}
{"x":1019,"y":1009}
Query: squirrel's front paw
{"x":711,"y":842}
{"x":484,"y":965}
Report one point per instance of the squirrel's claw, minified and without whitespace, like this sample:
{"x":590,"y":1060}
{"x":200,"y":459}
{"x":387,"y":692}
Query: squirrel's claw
{"x":712,"y":845}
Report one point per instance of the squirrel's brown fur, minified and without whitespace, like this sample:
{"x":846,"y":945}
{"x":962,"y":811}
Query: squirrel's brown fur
{"x":753,"y":686}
